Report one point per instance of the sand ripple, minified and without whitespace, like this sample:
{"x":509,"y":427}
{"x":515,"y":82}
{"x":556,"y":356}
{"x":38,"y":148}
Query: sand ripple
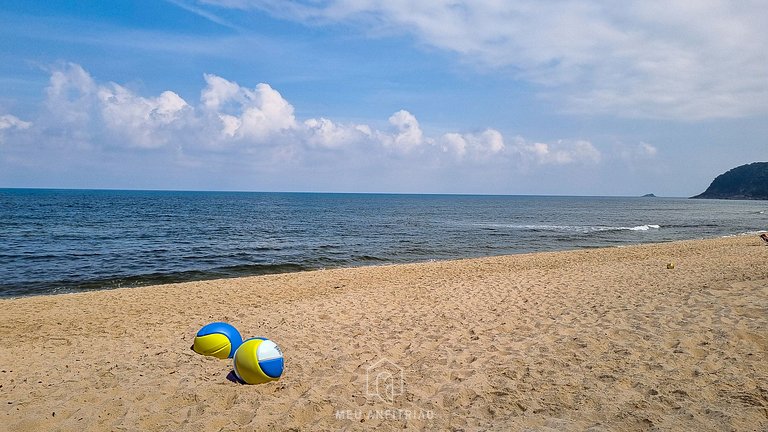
{"x":596,"y":340}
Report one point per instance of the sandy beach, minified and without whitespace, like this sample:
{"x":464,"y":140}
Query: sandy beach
{"x":599,"y":340}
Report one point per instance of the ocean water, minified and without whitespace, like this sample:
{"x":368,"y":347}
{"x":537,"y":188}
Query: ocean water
{"x":54,"y":241}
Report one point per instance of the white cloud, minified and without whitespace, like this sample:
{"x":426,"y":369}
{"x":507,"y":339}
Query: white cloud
{"x":82,"y":110}
{"x":70,"y":94}
{"x":327,"y":134}
{"x":140,"y":121}
{"x":236,"y":123}
{"x":636,"y":152}
{"x":561,"y":152}
{"x":218,"y":92}
{"x":481,"y":146}
{"x":255,"y":114}
{"x":454,"y":143}
{"x":8,"y":121}
{"x":408,"y":135}
{"x":686,"y":60}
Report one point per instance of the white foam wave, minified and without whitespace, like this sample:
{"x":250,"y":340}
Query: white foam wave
{"x":746,"y":233}
{"x":644,"y":227}
{"x":571,"y":228}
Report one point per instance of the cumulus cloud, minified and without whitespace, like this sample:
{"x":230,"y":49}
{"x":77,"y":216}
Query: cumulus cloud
{"x":80,"y":108}
{"x":407,"y":136}
{"x":325,"y":133}
{"x":482,"y":145}
{"x":686,"y":60}
{"x":255,"y":114}
{"x":141,"y":121}
{"x":243,"y":123}
{"x":70,"y":94}
{"x":561,"y":152}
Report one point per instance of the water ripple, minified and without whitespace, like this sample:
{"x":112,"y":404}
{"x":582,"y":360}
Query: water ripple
{"x":72,"y":240}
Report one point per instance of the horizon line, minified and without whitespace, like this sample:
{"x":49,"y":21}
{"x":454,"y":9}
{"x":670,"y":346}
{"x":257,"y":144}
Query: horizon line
{"x":107,"y":189}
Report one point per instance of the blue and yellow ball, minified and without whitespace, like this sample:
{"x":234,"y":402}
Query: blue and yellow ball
{"x":258,"y":360}
{"x":217,"y":339}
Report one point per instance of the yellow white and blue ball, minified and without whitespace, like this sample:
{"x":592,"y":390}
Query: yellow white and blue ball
{"x":217,"y":339}
{"x":258,"y":360}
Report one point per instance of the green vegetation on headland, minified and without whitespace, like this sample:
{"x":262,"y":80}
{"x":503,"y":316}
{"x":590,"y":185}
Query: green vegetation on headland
{"x":744,"y":182}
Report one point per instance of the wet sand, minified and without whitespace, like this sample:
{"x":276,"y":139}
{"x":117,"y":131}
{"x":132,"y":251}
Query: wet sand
{"x":600,"y":339}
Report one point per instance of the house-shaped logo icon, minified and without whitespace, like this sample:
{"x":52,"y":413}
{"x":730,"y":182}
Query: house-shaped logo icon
{"x":385,"y":380}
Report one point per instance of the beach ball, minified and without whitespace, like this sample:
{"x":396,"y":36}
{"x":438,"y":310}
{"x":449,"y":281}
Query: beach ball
{"x":258,"y":360}
{"x":217,"y":339}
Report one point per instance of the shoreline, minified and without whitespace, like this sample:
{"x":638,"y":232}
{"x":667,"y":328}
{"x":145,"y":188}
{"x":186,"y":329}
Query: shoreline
{"x":607,"y":338}
{"x":65,"y":291}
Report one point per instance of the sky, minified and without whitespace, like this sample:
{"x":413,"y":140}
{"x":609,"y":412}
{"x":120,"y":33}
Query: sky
{"x":549,"y":97}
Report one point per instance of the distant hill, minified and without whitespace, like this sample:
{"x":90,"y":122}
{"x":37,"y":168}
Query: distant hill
{"x":745,"y":182}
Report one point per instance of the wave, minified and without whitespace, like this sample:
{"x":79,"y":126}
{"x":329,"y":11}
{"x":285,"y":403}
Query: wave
{"x":643,"y":227}
{"x":585,"y":229}
{"x":743,"y":234}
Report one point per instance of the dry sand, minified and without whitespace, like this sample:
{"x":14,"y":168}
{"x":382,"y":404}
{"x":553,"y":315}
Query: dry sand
{"x":604,"y":339}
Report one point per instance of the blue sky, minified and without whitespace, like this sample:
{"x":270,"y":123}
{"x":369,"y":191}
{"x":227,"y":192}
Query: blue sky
{"x":522,"y":97}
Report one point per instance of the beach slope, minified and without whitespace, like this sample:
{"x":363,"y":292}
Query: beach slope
{"x":601,"y":339}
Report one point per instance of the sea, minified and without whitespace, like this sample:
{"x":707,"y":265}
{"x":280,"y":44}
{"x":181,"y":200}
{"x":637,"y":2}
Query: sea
{"x":59,"y":241}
